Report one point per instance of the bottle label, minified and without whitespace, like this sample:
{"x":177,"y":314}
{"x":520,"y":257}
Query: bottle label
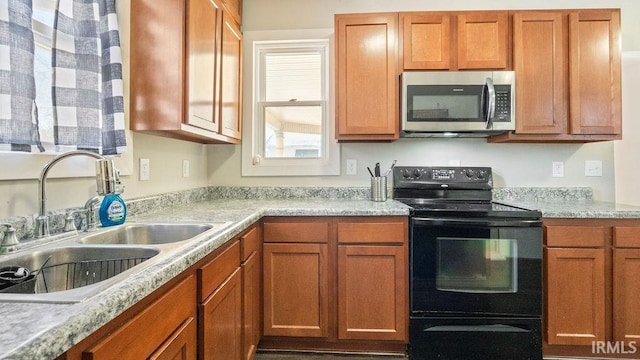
{"x":115,"y":211}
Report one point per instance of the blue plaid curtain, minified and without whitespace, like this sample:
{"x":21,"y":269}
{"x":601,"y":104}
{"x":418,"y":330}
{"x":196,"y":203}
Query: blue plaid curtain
{"x":18,"y":112}
{"x":87,"y":77}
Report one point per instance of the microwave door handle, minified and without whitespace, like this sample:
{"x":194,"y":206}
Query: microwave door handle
{"x":491,"y":103}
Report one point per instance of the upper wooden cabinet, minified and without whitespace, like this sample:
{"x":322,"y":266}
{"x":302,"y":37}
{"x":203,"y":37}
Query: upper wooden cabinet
{"x":594,"y":76}
{"x":235,"y":9}
{"x":539,"y":53}
{"x":567,"y":65}
{"x":426,"y":41}
{"x":367,"y":77}
{"x":185,"y":70}
{"x":454,"y":41}
{"x":483,"y":40}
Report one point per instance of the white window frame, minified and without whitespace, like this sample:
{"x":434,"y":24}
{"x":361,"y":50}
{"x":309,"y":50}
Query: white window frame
{"x":254,"y":162}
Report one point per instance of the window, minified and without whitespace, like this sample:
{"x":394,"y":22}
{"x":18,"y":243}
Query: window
{"x":290,"y":122}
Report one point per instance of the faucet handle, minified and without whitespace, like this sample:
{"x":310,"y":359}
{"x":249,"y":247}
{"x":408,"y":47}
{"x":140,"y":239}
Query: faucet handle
{"x":9,"y":240}
{"x":70,"y":221}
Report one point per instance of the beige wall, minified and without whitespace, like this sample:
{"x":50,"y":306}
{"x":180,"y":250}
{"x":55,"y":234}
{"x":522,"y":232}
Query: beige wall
{"x":514,"y":164}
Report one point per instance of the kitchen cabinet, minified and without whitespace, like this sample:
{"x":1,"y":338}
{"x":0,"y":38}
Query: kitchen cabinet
{"x":174,"y":337}
{"x":626,"y":287}
{"x":251,"y":254}
{"x":372,"y":279}
{"x":454,"y":40}
{"x":367,"y":93}
{"x":296,"y":279}
{"x":220,"y":306}
{"x":185,"y":66}
{"x":590,"y":284}
{"x":235,"y":9}
{"x":567,"y":65}
{"x":575,"y":284}
{"x":324,"y":277}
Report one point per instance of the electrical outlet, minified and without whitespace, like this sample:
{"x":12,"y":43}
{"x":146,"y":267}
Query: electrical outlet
{"x":593,"y":168}
{"x":144,"y":170}
{"x":557,"y":169}
{"x":185,"y":168}
{"x":352,"y":167}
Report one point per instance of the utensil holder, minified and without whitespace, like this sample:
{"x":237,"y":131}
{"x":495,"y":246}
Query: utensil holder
{"x":379,"y":188}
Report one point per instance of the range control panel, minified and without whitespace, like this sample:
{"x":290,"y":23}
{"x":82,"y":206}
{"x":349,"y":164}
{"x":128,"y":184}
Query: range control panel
{"x":442,"y":175}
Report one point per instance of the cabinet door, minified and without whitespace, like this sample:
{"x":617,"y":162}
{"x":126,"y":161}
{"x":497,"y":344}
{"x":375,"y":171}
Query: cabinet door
{"x":231,"y":78}
{"x":367,"y":84}
{"x":626,"y":295}
{"x":181,"y":345}
{"x":220,"y":318}
{"x":575,"y":296}
{"x":594,"y":55}
{"x":426,"y":41}
{"x":372,"y":292}
{"x":250,"y":305}
{"x":483,"y":40}
{"x":540,"y":67}
{"x":295,"y":290}
{"x":133,"y":340}
{"x":203,"y":29}
{"x":157,"y":77}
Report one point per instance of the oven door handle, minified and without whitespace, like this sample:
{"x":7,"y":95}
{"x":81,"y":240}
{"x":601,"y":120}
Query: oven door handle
{"x":475,"y":328}
{"x":418,"y":221}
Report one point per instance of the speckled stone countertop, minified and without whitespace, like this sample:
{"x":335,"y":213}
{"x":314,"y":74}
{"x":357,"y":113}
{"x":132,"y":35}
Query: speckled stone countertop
{"x":45,"y":330}
{"x":565,"y":203}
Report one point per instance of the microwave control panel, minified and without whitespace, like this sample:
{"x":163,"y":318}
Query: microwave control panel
{"x":503,"y":103}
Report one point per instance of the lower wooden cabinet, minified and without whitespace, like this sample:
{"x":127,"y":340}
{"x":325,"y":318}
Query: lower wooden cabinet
{"x":336,"y":283}
{"x":371,"y":284}
{"x":626,"y":287}
{"x":181,"y":345}
{"x":295,"y":290}
{"x":591,"y":287}
{"x":251,"y":292}
{"x":220,"y":316}
{"x":575,"y":293}
{"x":143,"y":336}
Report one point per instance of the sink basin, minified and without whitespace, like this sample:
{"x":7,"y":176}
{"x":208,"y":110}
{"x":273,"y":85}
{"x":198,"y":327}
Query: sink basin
{"x":150,"y":233}
{"x":67,"y":274}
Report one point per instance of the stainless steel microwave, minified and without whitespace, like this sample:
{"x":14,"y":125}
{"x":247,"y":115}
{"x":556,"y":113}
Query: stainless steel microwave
{"x":457,"y":103}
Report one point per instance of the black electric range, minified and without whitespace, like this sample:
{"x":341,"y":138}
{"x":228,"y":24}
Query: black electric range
{"x":475,"y":267}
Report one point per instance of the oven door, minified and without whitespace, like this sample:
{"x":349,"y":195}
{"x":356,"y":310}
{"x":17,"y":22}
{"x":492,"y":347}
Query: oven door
{"x":480,"y":267}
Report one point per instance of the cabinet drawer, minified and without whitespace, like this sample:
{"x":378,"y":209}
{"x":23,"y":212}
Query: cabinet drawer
{"x":250,"y":243}
{"x":134,"y":340}
{"x":296,"y":232}
{"x":211,"y":275}
{"x":575,"y":236}
{"x":626,"y":236}
{"x":373,"y":232}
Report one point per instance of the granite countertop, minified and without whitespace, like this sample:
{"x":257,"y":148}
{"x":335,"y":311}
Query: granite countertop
{"x":581,"y":209}
{"x":46,"y":330}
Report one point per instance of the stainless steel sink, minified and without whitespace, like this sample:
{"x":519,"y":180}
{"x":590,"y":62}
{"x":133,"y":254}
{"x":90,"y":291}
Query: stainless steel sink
{"x":68,"y":273}
{"x":150,"y":233}
{"x":81,"y":266}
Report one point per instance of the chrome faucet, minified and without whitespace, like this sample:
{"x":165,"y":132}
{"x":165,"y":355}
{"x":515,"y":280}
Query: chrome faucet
{"x":106,"y":177}
{"x":90,"y":225}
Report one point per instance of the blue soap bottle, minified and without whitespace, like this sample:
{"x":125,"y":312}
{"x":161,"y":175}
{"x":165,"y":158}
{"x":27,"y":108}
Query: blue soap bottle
{"x":113,"y":210}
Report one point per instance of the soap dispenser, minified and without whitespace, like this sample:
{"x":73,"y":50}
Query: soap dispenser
{"x":113,"y":210}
